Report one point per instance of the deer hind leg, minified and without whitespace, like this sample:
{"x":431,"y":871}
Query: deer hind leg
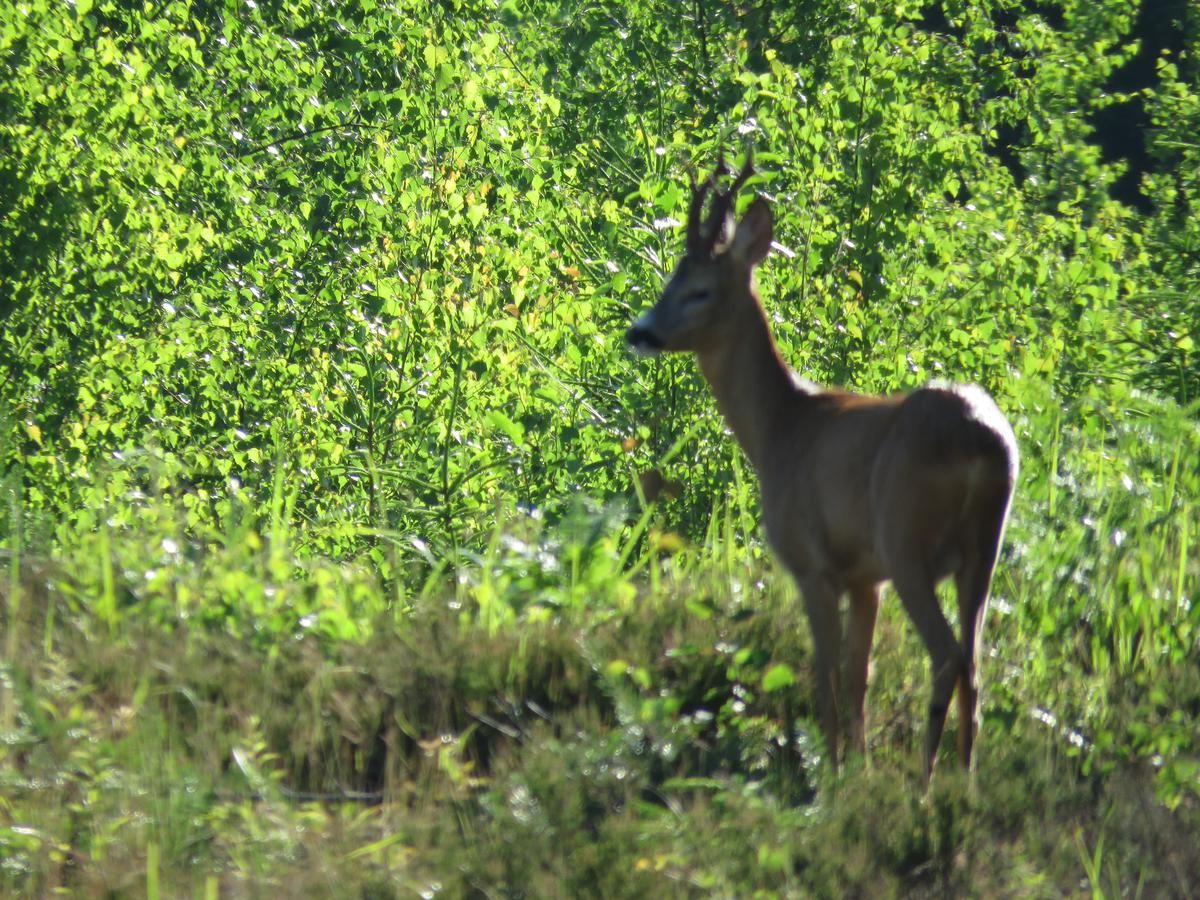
{"x":860,"y":630}
{"x":972,"y":583}
{"x":820,"y":603}
{"x":917,"y":590}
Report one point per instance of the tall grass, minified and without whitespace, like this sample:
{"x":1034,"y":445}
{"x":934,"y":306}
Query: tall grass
{"x":594,"y":706}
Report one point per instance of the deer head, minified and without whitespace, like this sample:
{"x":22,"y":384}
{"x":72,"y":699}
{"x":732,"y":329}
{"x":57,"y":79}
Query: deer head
{"x":715,"y":276}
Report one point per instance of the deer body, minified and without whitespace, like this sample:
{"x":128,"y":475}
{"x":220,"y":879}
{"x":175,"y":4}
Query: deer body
{"x":856,"y":490}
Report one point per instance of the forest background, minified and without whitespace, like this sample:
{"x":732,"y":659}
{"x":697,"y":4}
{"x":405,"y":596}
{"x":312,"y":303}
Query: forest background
{"x":347,"y":551}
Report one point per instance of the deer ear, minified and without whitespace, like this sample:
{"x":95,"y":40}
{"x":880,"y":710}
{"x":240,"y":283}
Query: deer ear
{"x":752,"y":238}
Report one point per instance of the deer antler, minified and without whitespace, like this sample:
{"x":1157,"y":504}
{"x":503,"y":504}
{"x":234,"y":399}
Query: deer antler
{"x":697,"y":245}
{"x":700,"y":240}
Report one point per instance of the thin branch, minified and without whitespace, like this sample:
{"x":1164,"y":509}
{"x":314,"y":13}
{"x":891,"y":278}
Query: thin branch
{"x":301,"y":135}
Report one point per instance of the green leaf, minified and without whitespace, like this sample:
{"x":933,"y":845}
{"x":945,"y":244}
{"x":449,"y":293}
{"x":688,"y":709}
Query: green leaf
{"x":616,"y":668}
{"x":513,"y":430}
{"x":490,"y":41}
{"x":777,"y":677}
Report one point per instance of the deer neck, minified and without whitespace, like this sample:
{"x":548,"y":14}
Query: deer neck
{"x":751,"y":383}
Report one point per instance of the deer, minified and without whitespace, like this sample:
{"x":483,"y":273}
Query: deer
{"x":857,"y":490}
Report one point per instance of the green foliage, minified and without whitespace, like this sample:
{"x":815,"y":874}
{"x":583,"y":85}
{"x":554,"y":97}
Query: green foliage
{"x":630,"y":751}
{"x":269,"y":238}
{"x":319,"y":446}
{"x":396,"y":251}
{"x":307,"y":241}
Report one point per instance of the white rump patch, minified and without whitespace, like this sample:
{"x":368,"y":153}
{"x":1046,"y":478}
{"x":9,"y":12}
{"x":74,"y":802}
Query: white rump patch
{"x":983,"y":409}
{"x":804,"y":385}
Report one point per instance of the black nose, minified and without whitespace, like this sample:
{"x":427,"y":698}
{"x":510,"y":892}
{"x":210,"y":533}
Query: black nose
{"x":643,"y":337}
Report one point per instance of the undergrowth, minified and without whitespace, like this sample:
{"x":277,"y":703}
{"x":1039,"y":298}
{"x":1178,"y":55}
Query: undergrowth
{"x":654,"y":738}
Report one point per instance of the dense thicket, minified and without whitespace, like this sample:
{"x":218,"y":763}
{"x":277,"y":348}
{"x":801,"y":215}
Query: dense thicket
{"x":396,"y":244}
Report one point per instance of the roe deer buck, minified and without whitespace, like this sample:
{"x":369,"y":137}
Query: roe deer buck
{"x":856,"y":490}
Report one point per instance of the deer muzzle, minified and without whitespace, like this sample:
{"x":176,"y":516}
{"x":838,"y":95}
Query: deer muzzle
{"x":644,"y":340}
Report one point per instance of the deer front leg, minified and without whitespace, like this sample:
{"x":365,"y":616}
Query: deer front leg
{"x":860,"y":630}
{"x":820,"y":603}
